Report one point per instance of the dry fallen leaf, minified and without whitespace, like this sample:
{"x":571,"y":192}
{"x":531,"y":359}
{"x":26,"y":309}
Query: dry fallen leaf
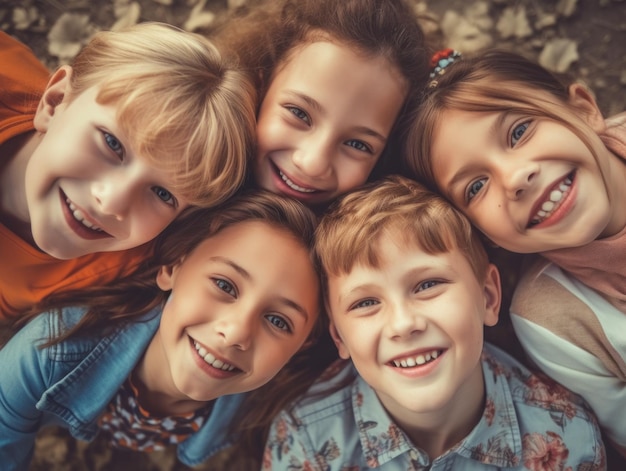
{"x":127,"y":16}
{"x":514,"y":23}
{"x":198,"y":18}
{"x":68,"y":35}
{"x":559,"y":54}
{"x":462,"y":35}
{"x":23,"y":17}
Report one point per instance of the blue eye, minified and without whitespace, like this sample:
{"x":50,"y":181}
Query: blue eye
{"x":427,"y":284}
{"x":225,"y":286}
{"x":299,"y":113}
{"x":364,"y":303}
{"x":114,"y":144}
{"x":474,"y":188}
{"x":164,"y":195}
{"x":278,"y":322}
{"x":359,"y":145}
{"x":518,"y":132}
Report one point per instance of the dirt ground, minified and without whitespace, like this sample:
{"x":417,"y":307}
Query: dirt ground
{"x":585,"y":38}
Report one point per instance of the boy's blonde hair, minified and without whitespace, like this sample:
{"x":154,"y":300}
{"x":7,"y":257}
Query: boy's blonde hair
{"x":184,"y":106}
{"x":350,"y":231}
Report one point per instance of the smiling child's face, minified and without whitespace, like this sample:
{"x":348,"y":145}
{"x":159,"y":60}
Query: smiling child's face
{"x":324,"y":122}
{"x":413,"y":326}
{"x":242,"y":303}
{"x":86,"y":189}
{"x":529,"y":183}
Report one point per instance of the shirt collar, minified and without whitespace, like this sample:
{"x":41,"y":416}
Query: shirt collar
{"x":381,"y":439}
{"x":495,"y":440}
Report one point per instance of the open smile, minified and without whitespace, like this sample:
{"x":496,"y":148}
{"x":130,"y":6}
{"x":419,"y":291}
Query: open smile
{"x":210,"y":359}
{"x":295,"y":187}
{"x":417,"y":360}
{"x":80,"y":217}
{"x":555,"y":198}
{"x":79,"y":222}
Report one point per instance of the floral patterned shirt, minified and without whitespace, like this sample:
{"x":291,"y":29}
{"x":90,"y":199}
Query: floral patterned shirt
{"x":529,"y":423}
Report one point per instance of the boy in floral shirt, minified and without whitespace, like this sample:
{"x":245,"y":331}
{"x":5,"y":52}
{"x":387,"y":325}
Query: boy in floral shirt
{"x":408,"y":287}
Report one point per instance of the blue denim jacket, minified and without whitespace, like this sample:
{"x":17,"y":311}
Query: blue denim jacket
{"x":71,"y":383}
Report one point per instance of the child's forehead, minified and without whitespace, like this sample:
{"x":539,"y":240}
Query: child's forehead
{"x":393,"y":246}
{"x":399,"y":266}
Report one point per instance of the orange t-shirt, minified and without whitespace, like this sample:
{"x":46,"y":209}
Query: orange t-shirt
{"x":26,"y":274}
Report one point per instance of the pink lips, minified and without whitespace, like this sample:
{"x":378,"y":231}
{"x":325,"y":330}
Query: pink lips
{"x":79,"y":229}
{"x":285,"y":189}
{"x":210,"y":370}
{"x":418,"y":370}
{"x":562,"y":207}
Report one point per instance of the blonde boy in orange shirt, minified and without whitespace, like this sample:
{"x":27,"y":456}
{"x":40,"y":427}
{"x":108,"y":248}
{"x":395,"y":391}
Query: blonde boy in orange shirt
{"x":145,"y":123}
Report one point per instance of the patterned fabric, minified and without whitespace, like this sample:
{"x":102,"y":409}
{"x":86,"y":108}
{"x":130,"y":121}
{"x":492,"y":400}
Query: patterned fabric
{"x":529,"y":423}
{"x":70,"y":385}
{"x":587,"y":352}
{"x":128,"y":425}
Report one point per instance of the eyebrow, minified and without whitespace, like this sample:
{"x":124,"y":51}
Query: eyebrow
{"x":365,"y":287}
{"x":242,"y":271}
{"x":238,"y":268}
{"x":317,"y":107}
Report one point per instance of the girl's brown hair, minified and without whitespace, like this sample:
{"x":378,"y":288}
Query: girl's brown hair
{"x":266,"y":33}
{"x":129,"y":298}
{"x":493,"y":81}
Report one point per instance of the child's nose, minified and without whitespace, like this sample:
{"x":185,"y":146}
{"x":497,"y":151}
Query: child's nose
{"x":113,"y":197}
{"x":519,"y":179}
{"x":404,"y":320}
{"x":313,"y":160}
{"x":236,"y":331}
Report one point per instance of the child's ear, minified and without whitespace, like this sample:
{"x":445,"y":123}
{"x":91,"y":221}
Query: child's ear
{"x":166,"y":276}
{"x":341,"y":348}
{"x":58,"y":86}
{"x":493,"y":295}
{"x":582,"y":99}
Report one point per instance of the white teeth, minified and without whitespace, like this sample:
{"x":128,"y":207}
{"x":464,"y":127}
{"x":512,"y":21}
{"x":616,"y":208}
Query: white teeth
{"x":80,"y":217}
{"x":420,"y":359}
{"x":211,"y":360}
{"x":556,"y":195}
{"x":293,"y":186}
{"x":553,"y":202}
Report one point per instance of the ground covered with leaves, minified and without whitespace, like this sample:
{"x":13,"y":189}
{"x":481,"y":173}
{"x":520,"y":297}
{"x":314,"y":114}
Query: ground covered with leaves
{"x":584,"y":38}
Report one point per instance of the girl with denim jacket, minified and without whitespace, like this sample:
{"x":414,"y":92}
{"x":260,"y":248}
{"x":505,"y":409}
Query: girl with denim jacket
{"x":155,"y":364}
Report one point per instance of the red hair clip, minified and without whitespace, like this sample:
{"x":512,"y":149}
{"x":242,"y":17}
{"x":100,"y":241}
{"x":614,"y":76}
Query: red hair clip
{"x":439,"y":62}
